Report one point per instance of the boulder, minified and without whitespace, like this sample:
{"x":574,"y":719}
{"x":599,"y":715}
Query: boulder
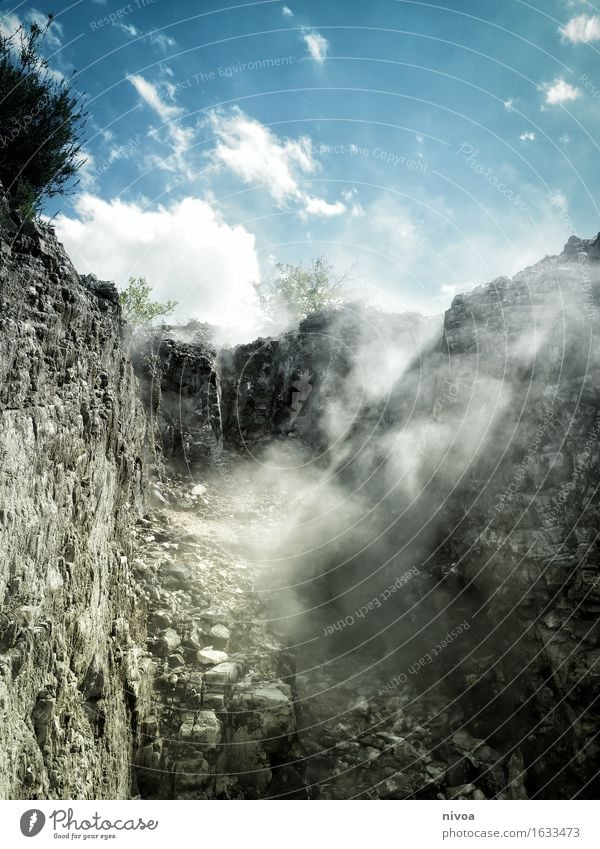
{"x":219,"y":633}
{"x":223,"y":673}
{"x":168,"y":643}
{"x":202,"y":728}
{"x":211,"y":657}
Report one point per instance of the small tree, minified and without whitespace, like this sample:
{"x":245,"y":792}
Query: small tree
{"x":139,"y":310}
{"x":295,"y":292}
{"x":41,"y":122}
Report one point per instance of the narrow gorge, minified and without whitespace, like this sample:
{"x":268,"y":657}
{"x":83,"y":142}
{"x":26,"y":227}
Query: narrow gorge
{"x":358,"y":560}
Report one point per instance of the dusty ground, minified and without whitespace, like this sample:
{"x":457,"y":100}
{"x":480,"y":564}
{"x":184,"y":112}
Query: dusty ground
{"x":252,"y":700}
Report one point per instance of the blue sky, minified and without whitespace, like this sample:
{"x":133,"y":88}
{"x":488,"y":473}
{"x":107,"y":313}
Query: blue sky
{"x":426,"y":147}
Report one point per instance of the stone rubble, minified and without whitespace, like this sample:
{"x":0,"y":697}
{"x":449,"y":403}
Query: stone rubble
{"x":223,"y":722}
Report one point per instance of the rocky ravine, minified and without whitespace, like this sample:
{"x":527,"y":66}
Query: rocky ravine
{"x":473,"y":468}
{"x":196,"y":567}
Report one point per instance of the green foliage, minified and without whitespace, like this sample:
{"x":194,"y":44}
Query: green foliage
{"x":139,"y":310}
{"x":295,"y":292}
{"x":41,"y":122}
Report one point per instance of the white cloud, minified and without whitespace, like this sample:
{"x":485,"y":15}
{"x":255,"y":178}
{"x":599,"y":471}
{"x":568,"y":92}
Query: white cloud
{"x":256,"y":155}
{"x":162,"y":41}
{"x":185,"y":251}
{"x":318,"y":206}
{"x":180,"y":139}
{"x":317,"y":45}
{"x":527,"y":136}
{"x":287,"y":12}
{"x":416,"y":261}
{"x":560,"y":92}
{"x":582,"y":30}
{"x":149,"y":93}
{"x":9,"y":24}
{"x":158,"y":39}
{"x":86,"y":174}
{"x":128,"y":29}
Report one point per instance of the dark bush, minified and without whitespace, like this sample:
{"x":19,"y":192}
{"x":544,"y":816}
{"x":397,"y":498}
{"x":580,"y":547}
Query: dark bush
{"x":41,"y":122}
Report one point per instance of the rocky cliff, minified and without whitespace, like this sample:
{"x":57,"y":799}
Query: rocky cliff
{"x":368,"y":566}
{"x":72,"y":429}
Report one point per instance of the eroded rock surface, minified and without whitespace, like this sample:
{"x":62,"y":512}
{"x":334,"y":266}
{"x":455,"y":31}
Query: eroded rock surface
{"x":72,"y":655}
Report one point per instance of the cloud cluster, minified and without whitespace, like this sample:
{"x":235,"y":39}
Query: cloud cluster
{"x":317,"y":45}
{"x":256,"y":155}
{"x":560,"y":91}
{"x":582,"y":29}
{"x":185,"y":251}
{"x":150,"y":95}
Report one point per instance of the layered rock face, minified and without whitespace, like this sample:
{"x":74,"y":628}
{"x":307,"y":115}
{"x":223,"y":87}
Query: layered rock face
{"x":521,"y":536}
{"x":72,"y":430}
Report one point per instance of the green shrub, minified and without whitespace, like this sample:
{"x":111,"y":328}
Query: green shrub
{"x":295,"y":292}
{"x":139,"y":310}
{"x":41,"y":122}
